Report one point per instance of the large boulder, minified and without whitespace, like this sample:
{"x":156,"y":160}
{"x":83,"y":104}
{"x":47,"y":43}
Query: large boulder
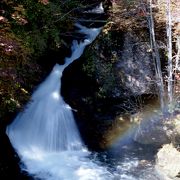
{"x":168,"y":162}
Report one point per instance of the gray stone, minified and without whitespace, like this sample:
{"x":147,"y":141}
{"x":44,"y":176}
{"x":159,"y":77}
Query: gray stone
{"x":168,"y":162}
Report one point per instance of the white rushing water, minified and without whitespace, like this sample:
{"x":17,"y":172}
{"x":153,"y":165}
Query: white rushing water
{"x":156,"y":58}
{"x":45,"y":134}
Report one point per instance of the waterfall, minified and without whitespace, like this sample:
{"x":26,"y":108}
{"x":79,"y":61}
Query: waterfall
{"x":169,"y":48}
{"x":47,"y":121}
{"x":156,"y":56}
{"x":45,"y":134}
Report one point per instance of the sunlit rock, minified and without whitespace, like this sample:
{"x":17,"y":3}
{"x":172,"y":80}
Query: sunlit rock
{"x":168,"y":162}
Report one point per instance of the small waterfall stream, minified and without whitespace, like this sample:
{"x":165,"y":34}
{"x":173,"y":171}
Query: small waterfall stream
{"x":45,"y":134}
{"x":169,"y":50}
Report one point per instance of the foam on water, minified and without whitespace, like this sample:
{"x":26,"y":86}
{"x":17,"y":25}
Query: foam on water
{"x":65,"y":165}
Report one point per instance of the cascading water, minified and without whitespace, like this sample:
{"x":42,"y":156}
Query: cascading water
{"x":44,"y":123}
{"x":47,"y":122}
{"x":45,"y":134}
{"x":169,"y":47}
